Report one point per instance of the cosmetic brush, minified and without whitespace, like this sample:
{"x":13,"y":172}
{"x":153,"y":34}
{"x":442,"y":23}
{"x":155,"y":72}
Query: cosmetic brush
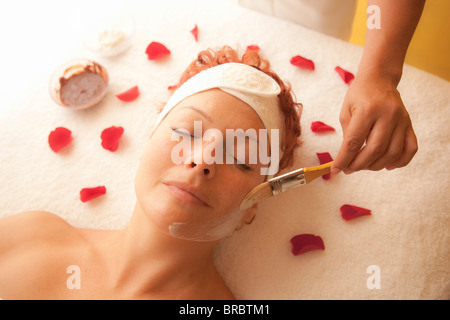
{"x":285,"y":182}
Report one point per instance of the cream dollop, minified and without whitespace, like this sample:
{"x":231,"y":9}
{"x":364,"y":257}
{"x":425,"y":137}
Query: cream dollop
{"x":109,"y":39}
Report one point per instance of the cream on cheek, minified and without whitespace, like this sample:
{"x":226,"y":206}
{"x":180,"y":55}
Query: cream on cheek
{"x":169,"y":214}
{"x":212,"y":225}
{"x":209,"y":229}
{"x":189,"y":222}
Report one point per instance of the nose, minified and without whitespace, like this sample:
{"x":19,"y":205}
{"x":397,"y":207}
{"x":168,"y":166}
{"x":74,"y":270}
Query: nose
{"x":199,"y":156}
{"x":205,"y":169}
{"x":196,"y":161}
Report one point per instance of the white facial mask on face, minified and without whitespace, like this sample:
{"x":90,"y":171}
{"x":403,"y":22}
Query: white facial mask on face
{"x":260,"y":92}
{"x":212,"y":230}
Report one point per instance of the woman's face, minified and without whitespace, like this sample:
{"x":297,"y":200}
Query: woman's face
{"x":198,"y":199}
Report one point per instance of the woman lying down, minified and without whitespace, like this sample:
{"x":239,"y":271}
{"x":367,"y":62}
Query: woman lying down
{"x":186,"y":203}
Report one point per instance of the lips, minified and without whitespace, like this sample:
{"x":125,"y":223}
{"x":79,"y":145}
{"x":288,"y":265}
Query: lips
{"x":187,"y":192}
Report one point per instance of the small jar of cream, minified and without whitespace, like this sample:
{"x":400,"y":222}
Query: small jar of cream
{"x":79,"y":84}
{"x":111,"y":35}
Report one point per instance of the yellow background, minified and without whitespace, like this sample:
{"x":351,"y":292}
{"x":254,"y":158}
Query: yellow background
{"x":430,"y":46}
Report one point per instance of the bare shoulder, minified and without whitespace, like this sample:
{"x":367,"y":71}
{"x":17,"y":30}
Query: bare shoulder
{"x":31,"y":216}
{"x":33,"y":253}
{"x":31,"y":226}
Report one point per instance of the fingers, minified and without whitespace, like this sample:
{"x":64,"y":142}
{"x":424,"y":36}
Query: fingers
{"x":386,"y":147}
{"x":377,"y":128}
{"x":392,"y":152}
{"x":410,"y":148}
{"x":355,"y":133}
{"x":376,"y":145}
{"x":400,"y":151}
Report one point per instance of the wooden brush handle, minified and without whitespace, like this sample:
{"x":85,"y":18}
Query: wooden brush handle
{"x":315,"y":172}
{"x":283,"y":183}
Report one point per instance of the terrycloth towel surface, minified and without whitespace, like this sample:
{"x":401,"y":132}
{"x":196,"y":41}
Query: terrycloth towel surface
{"x":406,"y":237}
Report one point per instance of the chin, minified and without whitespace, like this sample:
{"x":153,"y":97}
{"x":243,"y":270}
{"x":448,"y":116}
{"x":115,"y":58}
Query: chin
{"x":213,"y":229}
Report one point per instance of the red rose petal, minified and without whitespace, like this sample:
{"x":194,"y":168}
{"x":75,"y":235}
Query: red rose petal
{"x":306,"y":242}
{"x":347,"y":76}
{"x":301,"y":62}
{"x":252,"y":47}
{"x":318,"y":126}
{"x":129,"y":95}
{"x":325,"y":157}
{"x":59,"y":138}
{"x":195,"y":33}
{"x":87,"y":194}
{"x":349,"y":212}
{"x":157,"y":51}
{"x":110,"y":138}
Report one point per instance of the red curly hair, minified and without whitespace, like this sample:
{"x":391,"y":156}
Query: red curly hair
{"x":288,"y":105}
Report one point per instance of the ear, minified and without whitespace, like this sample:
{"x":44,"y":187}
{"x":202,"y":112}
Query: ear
{"x":249,"y":214}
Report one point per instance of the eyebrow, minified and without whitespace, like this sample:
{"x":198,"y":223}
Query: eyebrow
{"x":197,"y":110}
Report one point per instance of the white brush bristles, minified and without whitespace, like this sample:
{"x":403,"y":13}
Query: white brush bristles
{"x":257,"y":194}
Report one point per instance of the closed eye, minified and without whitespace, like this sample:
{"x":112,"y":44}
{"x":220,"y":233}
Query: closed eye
{"x":184,"y":132}
{"x":244,"y":167}
{"x":239,"y":163}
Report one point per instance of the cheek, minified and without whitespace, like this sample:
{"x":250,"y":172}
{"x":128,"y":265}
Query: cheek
{"x":233,"y":195}
{"x":154,"y":165}
{"x":181,"y":222}
{"x":156,"y":157}
{"x":220,"y":222}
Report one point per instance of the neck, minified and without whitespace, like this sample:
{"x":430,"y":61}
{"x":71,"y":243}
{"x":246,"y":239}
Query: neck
{"x":158,"y":262}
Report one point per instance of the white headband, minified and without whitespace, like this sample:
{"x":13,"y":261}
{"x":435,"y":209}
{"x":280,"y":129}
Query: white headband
{"x":246,"y":83}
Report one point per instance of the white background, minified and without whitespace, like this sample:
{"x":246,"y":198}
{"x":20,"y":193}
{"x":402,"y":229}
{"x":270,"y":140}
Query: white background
{"x":36,"y":35}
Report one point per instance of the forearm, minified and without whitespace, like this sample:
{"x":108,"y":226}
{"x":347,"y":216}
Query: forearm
{"x":385,"y":48}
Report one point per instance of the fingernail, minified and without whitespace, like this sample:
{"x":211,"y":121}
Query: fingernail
{"x":335,"y":171}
